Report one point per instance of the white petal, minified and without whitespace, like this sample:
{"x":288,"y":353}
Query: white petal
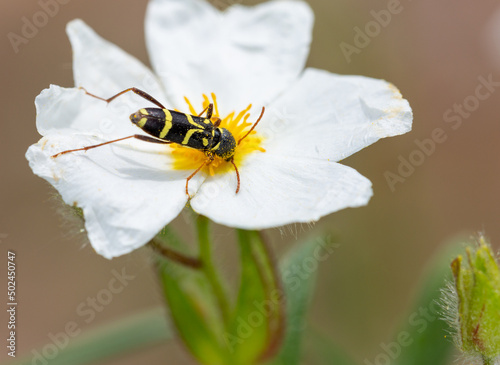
{"x":278,"y":190}
{"x":333,"y":116}
{"x":255,"y":52}
{"x":104,"y":69}
{"x":67,"y":111}
{"x":127,"y":195}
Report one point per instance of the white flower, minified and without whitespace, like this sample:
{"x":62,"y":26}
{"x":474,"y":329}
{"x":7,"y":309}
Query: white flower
{"x":131,"y":189}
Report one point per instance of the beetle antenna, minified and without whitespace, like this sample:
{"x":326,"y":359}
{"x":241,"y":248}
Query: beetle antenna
{"x":251,"y":129}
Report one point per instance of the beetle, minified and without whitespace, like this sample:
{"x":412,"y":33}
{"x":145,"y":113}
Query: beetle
{"x":169,"y":126}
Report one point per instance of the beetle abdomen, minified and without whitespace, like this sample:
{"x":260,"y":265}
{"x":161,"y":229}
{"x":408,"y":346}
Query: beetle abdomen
{"x":169,"y":125}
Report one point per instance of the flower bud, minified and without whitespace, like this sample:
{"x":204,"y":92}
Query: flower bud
{"x":477,"y":285}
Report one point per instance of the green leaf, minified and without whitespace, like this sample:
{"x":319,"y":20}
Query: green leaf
{"x":193,"y":310}
{"x":298,"y":271}
{"x":117,"y":338}
{"x":196,"y":298}
{"x":257,"y":322}
{"x":424,"y":336}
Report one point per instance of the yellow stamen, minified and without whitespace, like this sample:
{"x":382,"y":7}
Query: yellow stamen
{"x":186,"y":158}
{"x":216,"y":107}
{"x":192,"y":110}
{"x":206,"y":101}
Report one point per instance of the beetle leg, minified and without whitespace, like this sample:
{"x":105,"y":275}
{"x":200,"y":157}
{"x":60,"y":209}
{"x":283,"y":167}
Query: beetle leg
{"x":141,"y":93}
{"x":237,"y":175}
{"x":217,"y":122}
{"x":194,"y":173}
{"x":138,"y":136}
{"x":209,"y":109}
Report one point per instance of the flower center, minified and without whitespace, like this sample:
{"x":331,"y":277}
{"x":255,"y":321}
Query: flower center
{"x":186,"y":158}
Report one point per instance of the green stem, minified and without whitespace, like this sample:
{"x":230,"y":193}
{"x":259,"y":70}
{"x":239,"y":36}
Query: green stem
{"x":202,"y":225}
{"x":277,"y":332}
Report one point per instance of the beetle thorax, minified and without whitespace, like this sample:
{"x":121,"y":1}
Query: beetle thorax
{"x":225,"y":145}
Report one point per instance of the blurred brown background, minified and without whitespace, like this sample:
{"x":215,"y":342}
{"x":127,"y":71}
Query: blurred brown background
{"x":433,"y":51}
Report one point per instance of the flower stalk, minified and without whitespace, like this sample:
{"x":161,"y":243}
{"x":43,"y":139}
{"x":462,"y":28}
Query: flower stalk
{"x":216,"y":329}
{"x":207,"y":265}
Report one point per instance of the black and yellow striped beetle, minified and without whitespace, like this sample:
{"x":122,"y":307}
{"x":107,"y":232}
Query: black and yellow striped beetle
{"x":170,"y":126}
